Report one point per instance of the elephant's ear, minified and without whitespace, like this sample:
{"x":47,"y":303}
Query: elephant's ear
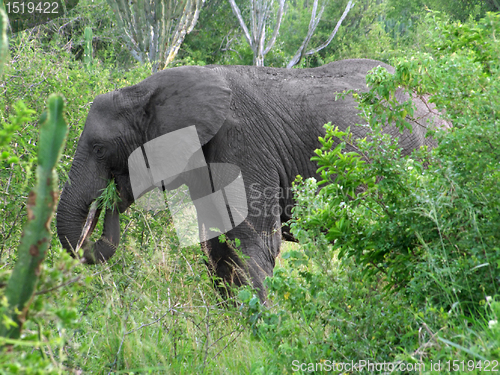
{"x":190,"y":95}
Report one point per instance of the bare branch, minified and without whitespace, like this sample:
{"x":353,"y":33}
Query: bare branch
{"x":313,"y":24}
{"x":260,"y":14}
{"x":349,"y":6}
{"x":237,"y":13}
{"x":155,"y":29}
{"x":279,"y":17}
{"x":228,"y":45}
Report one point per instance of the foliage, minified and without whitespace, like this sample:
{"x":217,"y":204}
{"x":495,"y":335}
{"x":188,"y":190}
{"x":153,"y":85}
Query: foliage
{"x":315,"y":19}
{"x":36,"y":236}
{"x":473,"y":347}
{"x":22,"y":115}
{"x":20,"y":305}
{"x":427,"y":225}
{"x":363,"y":34}
{"x":217,"y":37}
{"x":324,"y":310}
{"x":212,"y":39}
{"x":31,"y":74}
{"x":431,"y":230}
{"x":52,"y":319}
{"x":417,"y":236}
{"x":87,"y":56}
{"x":459,"y":10}
{"x":109,"y":197}
{"x":107,"y":42}
{"x":68,"y":33}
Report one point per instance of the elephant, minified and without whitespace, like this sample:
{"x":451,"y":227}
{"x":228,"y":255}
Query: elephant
{"x":264,"y":121}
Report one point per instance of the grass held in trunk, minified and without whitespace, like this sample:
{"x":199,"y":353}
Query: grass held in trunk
{"x":109,"y":197}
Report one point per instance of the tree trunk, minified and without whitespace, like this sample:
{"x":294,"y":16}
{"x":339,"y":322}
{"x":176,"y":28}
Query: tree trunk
{"x":260,"y":16}
{"x":315,"y":18}
{"x":155,"y":29}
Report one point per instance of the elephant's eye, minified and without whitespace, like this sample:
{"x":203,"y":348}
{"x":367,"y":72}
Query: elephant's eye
{"x":99,"y":151}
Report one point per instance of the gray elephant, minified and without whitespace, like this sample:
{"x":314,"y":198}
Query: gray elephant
{"x":265,"y":121}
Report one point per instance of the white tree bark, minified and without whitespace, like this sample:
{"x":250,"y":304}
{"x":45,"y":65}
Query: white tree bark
{"x":155,"y":29}
{"x":261,"y":14}
{"x":315,"y":18}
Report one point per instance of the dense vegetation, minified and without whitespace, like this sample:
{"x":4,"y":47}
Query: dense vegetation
{"x":404,"y":270}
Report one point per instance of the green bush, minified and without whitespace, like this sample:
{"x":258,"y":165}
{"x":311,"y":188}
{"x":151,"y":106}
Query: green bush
{"x":324,"y":311}
{"x":36,"y":234}
{"x":431,"y":224}
{"x":52,"y":320}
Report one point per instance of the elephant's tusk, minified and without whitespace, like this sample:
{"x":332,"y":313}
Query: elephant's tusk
{"x":89,"y":225}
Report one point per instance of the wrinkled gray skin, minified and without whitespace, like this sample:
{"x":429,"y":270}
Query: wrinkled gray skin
{"x":264,"y":120}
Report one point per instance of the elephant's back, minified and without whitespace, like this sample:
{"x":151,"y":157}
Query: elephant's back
{"x":307,"y":96}
{"x":335,"y":69}
{"x":335,"y":77}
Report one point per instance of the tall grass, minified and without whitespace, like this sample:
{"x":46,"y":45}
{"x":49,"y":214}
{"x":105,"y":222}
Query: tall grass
{"x":154,"y":308}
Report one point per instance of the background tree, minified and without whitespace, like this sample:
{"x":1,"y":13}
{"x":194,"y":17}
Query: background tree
{"x":155,"y":29}
{"x":364,"y":34}
{"x":261,"y":12}
{"x":313,"y":24}
{"x":214,"y":38}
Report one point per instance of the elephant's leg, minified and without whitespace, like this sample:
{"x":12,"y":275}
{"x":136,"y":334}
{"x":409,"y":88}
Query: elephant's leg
{"x":248,"y":264}
{"x":259,"y":238}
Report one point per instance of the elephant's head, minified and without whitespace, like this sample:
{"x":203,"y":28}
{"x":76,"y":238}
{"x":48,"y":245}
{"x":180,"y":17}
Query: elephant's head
{"x":119,"y":123}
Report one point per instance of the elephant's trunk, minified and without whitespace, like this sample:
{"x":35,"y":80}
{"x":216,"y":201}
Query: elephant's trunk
{"x":73,"y":211}
{"x":71,"y":214}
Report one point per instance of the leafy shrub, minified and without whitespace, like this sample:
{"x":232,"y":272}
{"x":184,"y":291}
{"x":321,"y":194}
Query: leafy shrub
{"x":431,"y":224}
{"x":324,"y":311}
{"x":52,"y":319}
{"x":31,"y":74}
